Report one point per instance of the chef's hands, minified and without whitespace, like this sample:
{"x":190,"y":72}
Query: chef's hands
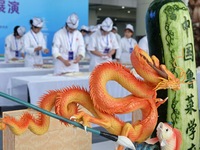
{"x":39,"y":48}
{"x":66,"y":62}
{"x":46,"y":51}
{"x":78,"y":58}
{"x":103,"y":55}
{"x":106,"y":56}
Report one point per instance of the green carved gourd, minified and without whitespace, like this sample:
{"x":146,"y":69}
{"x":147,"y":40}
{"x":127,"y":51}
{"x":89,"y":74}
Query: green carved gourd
{"x":170,"y":38}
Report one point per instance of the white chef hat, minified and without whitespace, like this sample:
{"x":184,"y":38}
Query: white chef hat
{"x":21,"y":30}
{"x":83,"y":27}
{"x":130,"y":27}
{"x":107,"y":24}
{"x":114,"y":27}
{"x":72,"y":21}
{"x":93,"y":28}
{"x":37,"y":22}
{"x":98,"y":26}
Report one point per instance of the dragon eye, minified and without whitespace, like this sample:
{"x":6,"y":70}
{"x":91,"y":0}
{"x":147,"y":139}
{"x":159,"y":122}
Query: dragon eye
{"x":166,"y":130}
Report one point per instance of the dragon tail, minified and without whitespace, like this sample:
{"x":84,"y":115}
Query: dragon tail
{"x":37,"y":123}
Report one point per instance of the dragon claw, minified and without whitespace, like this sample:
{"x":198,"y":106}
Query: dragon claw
{"x":85,"y":128}
{"x":73,"y":118}
{"x":160,"y":101}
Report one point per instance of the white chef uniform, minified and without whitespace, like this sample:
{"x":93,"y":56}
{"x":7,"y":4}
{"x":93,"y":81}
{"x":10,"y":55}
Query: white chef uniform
{"x":143,"y":44}
{"x":102,"y":43}
{"x":86,"y":41}
{"x":126,"y":47}
{"x":65,"y":42}
{"x":14,"y":46}
{"x":31,"y":41}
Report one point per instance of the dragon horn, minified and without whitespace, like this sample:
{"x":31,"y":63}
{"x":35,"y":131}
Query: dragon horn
{"x":160,"y":72}
{"x":122,"y":140}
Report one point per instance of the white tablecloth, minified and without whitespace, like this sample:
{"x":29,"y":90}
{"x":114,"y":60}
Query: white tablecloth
{"x":20,"y":63}
{"x":48,"y":60}
{"x":39,"y":85}
{"x":4,"y":64}
{"x":7,"y":73}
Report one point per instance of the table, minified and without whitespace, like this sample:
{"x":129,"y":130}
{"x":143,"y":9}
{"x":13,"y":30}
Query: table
{"x":48,"y":60}
{"x":7,"y":73}
{"x":49,"y":83}
{"x":4,"y":64}
{"x":39,"y":85}
{"x":83,"y":64}
{"x":20,"y":63}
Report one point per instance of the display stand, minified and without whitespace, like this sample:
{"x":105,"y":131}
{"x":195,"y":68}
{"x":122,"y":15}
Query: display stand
{"x":58,"y":137}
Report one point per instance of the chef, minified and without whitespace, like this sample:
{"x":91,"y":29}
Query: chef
{"x":103,"y":44}
{"x":85,"y":32}
{"x":127,"y":45}
{"x":143,"y":44}
{"x":14,"y":45}
{"x":68,"y":47}
{"x":34,"y":44}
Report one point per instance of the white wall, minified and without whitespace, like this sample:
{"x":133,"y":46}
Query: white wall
{"x":92,"y":17}
{"x":127,"y":3}
{"x":142,"y":6}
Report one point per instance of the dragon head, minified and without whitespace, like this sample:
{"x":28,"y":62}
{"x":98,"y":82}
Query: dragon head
{"x":154,"y":73}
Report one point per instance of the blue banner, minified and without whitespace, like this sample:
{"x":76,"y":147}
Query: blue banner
{"x":53,"y":12}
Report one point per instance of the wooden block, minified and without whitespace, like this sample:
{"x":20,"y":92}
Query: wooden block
{"x":58,"y":137}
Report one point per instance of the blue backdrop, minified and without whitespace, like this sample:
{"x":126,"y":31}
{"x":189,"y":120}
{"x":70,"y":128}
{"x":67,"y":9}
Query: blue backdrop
{"x":53,"y":12}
